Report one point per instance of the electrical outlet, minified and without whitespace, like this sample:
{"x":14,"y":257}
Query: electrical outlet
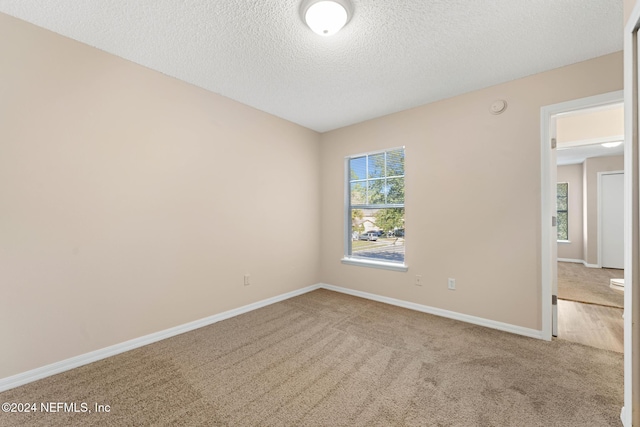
{"x":452,"y":284}
{"x":247,"y":282}
{"x":418,"y":280}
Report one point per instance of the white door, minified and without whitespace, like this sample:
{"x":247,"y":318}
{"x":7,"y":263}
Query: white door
{"x":612,"y":220}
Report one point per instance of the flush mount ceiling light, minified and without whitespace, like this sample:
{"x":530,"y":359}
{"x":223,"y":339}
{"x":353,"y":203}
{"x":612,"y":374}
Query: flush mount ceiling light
{"x":326,"y":17}
{"x":611,"y":144}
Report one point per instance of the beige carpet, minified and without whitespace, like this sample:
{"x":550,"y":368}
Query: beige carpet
{"x":589,"y":285}
{"x":328,"y":359}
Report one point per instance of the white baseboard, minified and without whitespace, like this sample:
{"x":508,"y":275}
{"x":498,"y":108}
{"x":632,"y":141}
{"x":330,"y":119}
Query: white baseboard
{"x":591,"y":265}
{"x":506,"y":327}
{"x":84,"y":359}
{"x":93,"y":356}
{"x":623,"y":417}
{"x":579,"y":261}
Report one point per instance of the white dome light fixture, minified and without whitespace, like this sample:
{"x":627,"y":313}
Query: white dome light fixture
{"x":611,"y":144}
{"x":326,"y":17}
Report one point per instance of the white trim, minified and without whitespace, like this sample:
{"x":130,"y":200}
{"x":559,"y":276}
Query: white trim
{"x":375,"y":264}
{"x":599,"y":108}
{"x":548,"y":205}
{"x":93,"y":356}
{"x":629,"y":413}
{"x":370,"y":153}
{"x":577,"y":261}
{"x":506,"y":327}
{"x":591,"y":141}
{"x":599,"y":210}
{"x":348,"y":226}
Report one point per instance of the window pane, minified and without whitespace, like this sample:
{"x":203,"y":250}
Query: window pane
{"x":376,"y":165}
{"x":357,"y":223}
{"x":563,"y":226}
{"x":562,"y":189}
{"x":395,"y":190}
{"x":395,"y":163}
{"x":378,"y":234}
{"x":358,"y":168}
{"x":377,"y":192}
{"x":358,"y":193}
{"x":562,"y":203}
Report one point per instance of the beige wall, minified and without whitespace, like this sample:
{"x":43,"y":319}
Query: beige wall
{"x":591,"y":168}
{"x":628,"y":8}
{"x":592,"y":125}
{"x":472,"y":194}
{"x":572,"y":174}
{"x":132,"y":202}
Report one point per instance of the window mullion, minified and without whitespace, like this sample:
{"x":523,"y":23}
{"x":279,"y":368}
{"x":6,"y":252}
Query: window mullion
{"x":366,"y":176}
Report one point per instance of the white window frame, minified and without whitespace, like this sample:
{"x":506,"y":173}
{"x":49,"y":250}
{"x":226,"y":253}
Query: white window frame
{"x":558,"y":217}
{"x":348,"y":259}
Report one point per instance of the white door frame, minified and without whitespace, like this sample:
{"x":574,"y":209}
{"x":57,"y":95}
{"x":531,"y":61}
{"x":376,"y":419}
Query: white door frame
{"x":548,"y":191}
{"x":630,"y":413}
{"x":599,"y":195}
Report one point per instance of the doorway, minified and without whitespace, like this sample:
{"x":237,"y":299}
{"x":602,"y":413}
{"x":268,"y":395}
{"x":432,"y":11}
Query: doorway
{"x":549,"y":228}
{"x":590,"y":197}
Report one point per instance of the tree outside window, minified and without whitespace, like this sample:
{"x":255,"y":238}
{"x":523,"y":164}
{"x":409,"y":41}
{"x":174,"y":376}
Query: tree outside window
{"x":562,"y":207}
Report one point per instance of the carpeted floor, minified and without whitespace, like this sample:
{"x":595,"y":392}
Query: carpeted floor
{"x":328,"y":359}
{"x":589,"y":285}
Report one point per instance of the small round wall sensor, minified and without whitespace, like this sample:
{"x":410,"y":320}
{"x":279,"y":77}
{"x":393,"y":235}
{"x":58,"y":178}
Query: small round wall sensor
{"x":498,"y":107}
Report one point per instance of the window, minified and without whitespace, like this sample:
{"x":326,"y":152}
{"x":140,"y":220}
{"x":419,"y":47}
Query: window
{"x":562,"y":206}
{"x":375,"y":229}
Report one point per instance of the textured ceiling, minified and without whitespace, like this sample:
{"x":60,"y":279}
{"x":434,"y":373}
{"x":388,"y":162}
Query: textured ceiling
{"x":391,"y":56}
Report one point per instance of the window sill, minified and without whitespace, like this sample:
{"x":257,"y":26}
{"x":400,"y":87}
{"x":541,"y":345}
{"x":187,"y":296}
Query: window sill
{"x":375,"y":264}
{"x":564,"y":241}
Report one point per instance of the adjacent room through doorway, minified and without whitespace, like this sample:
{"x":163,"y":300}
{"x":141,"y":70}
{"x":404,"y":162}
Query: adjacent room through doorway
{"x":590,"y":201}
